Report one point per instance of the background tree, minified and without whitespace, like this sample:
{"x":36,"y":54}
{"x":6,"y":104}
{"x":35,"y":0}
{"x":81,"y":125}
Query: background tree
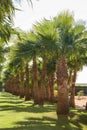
{"x":76,"y":59}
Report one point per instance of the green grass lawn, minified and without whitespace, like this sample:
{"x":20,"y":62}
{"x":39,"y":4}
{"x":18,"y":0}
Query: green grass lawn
{"x":17,"y":114}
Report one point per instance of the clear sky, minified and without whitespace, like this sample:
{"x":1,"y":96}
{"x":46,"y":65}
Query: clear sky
{"x":50,"y":8}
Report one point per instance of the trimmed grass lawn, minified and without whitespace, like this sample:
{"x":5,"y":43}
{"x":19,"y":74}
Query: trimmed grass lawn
{"x":17,"y":114}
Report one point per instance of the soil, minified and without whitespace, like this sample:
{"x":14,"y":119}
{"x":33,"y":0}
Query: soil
{"x":81,"y":102}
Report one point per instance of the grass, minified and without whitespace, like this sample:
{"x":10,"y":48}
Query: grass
{"x":17,"y":114}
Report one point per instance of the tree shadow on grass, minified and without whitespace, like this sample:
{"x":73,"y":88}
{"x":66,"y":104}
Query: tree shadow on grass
{"x":82,"y":116}
{"x":6,"y":95}
{"x":23,"y":108}
{"x":9,"y":98}
{"x":13,"y":103}
{"x":46,"y":123}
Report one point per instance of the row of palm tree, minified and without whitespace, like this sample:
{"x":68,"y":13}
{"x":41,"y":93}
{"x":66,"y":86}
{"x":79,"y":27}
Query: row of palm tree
{"x":7,"y":13}
{"x":53,"y":52}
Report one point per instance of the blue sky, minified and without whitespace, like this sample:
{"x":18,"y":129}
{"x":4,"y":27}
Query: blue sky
{"x":47,"y":9}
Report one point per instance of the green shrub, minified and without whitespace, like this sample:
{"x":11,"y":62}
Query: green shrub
{"x":80,"y":93}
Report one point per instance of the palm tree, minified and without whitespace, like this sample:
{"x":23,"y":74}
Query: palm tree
{"x":27,"y":49}
{"x":72,"y":37}
{"x":7,"y":78}
{"x":51,"y":78}
{"x":47,"y":38}
{"x":64,"y":23}
{"x":7,"y":10}
{"x":76,"y":65}
{"x":76,"y":58}
{"x":3,"y":51}
{"x":15,"y":64}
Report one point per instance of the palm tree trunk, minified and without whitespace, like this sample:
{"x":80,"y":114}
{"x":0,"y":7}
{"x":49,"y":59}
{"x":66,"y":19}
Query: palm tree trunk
{"x":22,"y":85}
{"x":51,"y":85}
{"x":27,"y":89}
{"x":72,"y":96}
{"x":7,"y":86}
{"x":35,"y":79}
{"x":17,"y":84}
{"x":70,"y":79}
{"x":43,"y":83}
{"x":62,"y":79}
{"x":12,"y":84}
{"x":48,"y":94}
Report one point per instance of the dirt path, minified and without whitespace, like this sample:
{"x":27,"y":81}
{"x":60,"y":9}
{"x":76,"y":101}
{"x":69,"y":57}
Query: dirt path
{"x":81,"y":103}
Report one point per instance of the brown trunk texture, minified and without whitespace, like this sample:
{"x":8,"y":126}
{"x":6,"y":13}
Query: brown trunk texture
{"x":62,"y":79}
{"x":27,"y":89}
{"x":51,"y":87}
{"x":43,"y":82}
{"x":35,"y":79}
{"x":22,"y":85}
{"x":72,"y":96}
